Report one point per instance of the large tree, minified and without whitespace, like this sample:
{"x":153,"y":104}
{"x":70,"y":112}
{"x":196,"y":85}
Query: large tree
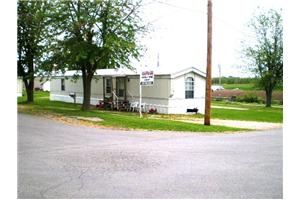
{"x":32,"y":31}
{"x":96,"y":35}
{"x":265,"y":52}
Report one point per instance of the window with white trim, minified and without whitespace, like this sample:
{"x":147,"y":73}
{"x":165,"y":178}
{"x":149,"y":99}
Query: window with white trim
{"x":189,"y":88}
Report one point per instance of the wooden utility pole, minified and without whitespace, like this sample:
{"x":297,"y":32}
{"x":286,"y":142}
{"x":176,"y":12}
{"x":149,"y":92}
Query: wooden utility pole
{"x":208,"y":67}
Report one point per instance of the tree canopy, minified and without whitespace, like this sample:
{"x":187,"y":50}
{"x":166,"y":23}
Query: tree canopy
{"x":93,"y":35}
{"x":77,"y":35}
{"x":32,"y":37}
{"x":264,"y":53}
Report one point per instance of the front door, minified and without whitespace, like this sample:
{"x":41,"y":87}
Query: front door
{"x":121,"y":88}
{"x":108,"y":87}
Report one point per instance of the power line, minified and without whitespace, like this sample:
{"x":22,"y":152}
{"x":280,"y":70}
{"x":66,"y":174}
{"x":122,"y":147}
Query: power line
{"x":229,"y":25}
{"x":164,"y":16}
{"x":180,"y":7}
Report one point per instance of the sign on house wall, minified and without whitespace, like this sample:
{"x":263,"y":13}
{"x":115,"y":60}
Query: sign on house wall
{"x":147,"y":78}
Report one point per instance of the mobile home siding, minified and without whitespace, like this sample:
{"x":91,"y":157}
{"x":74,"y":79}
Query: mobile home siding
{"x":167,"y":94}
{"x":72,"y":86}
{"x":178,"y":103}
{"x":19,"y":87}
{"x":156,"y":96}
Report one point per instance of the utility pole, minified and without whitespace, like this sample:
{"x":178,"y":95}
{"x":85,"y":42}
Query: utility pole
{"x":208,"y":67}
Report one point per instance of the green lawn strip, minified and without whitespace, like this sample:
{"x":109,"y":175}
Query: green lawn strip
{"x":134,"y":122}
{"x":254,"y":112}
{"x":42,"y":106}
{"x":262,"y":114}
{"x":130,"y":120}
{"x":243,"y":105}
{"x":126,"y":120}
{"x":233,"y":104}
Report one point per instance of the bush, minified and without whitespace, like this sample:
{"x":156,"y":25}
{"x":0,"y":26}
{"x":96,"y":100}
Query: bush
{"x":249,"y":98}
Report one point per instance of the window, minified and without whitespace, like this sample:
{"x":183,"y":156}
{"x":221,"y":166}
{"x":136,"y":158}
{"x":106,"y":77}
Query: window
{"x":189,"y":88}
{"x":62,"y":84}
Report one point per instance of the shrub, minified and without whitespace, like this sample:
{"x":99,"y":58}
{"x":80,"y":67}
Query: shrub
{"x":249,"y":98}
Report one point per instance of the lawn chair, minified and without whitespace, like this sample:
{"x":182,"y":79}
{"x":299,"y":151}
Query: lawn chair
{"x":134,"y":106}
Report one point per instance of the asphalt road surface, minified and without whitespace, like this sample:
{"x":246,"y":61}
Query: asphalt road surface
{"x":57,"y":160}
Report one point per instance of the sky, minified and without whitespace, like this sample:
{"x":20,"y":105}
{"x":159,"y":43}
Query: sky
{"x":178,"y":34}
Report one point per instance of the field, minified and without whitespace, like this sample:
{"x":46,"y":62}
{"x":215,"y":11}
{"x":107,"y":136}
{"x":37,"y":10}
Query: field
{"x":277,"y":96}
{"x":242,"y":86}
{"x":246,"y":84}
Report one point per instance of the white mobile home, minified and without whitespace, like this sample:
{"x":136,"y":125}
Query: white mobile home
{"x":19,"y":87}
{"x":171,"y":93}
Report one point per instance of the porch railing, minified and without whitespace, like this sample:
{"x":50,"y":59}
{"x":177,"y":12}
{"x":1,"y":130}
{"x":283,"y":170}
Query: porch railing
{"x":117,"y":100}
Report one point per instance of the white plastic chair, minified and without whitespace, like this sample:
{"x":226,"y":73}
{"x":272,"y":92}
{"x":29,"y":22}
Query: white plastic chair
{"x":134,"y":106}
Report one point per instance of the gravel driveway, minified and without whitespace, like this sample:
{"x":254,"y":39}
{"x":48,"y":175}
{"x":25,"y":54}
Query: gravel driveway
{"x":58,"y":160}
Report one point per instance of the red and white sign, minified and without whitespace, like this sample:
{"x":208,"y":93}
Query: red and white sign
{"x":147,"y":78}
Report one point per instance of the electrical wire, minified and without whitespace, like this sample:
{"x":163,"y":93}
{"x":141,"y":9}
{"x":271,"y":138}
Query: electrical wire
{"x":229,"y":25}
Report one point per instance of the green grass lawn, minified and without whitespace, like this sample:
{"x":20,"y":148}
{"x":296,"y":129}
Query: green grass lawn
{"x":126,"y":120}
{"x":254,"y":112}
{"x":131,"y":120}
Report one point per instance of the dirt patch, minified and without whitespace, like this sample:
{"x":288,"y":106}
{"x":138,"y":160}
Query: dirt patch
{"x":83,"y":121}
{"x":247,"y":124}
{"x":91,"y":119}
{"x":240,"y":124}
{"x":73,"y":120}
{"x":230,"y":108}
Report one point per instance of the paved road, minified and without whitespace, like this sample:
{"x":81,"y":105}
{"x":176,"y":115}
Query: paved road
{"x":62,"y":161}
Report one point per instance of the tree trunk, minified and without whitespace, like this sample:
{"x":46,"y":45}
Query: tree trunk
{"x":87,"y":81}
{"x":29,"y":86}
{"x":269,"y":97}
{"x":27,"y":77}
